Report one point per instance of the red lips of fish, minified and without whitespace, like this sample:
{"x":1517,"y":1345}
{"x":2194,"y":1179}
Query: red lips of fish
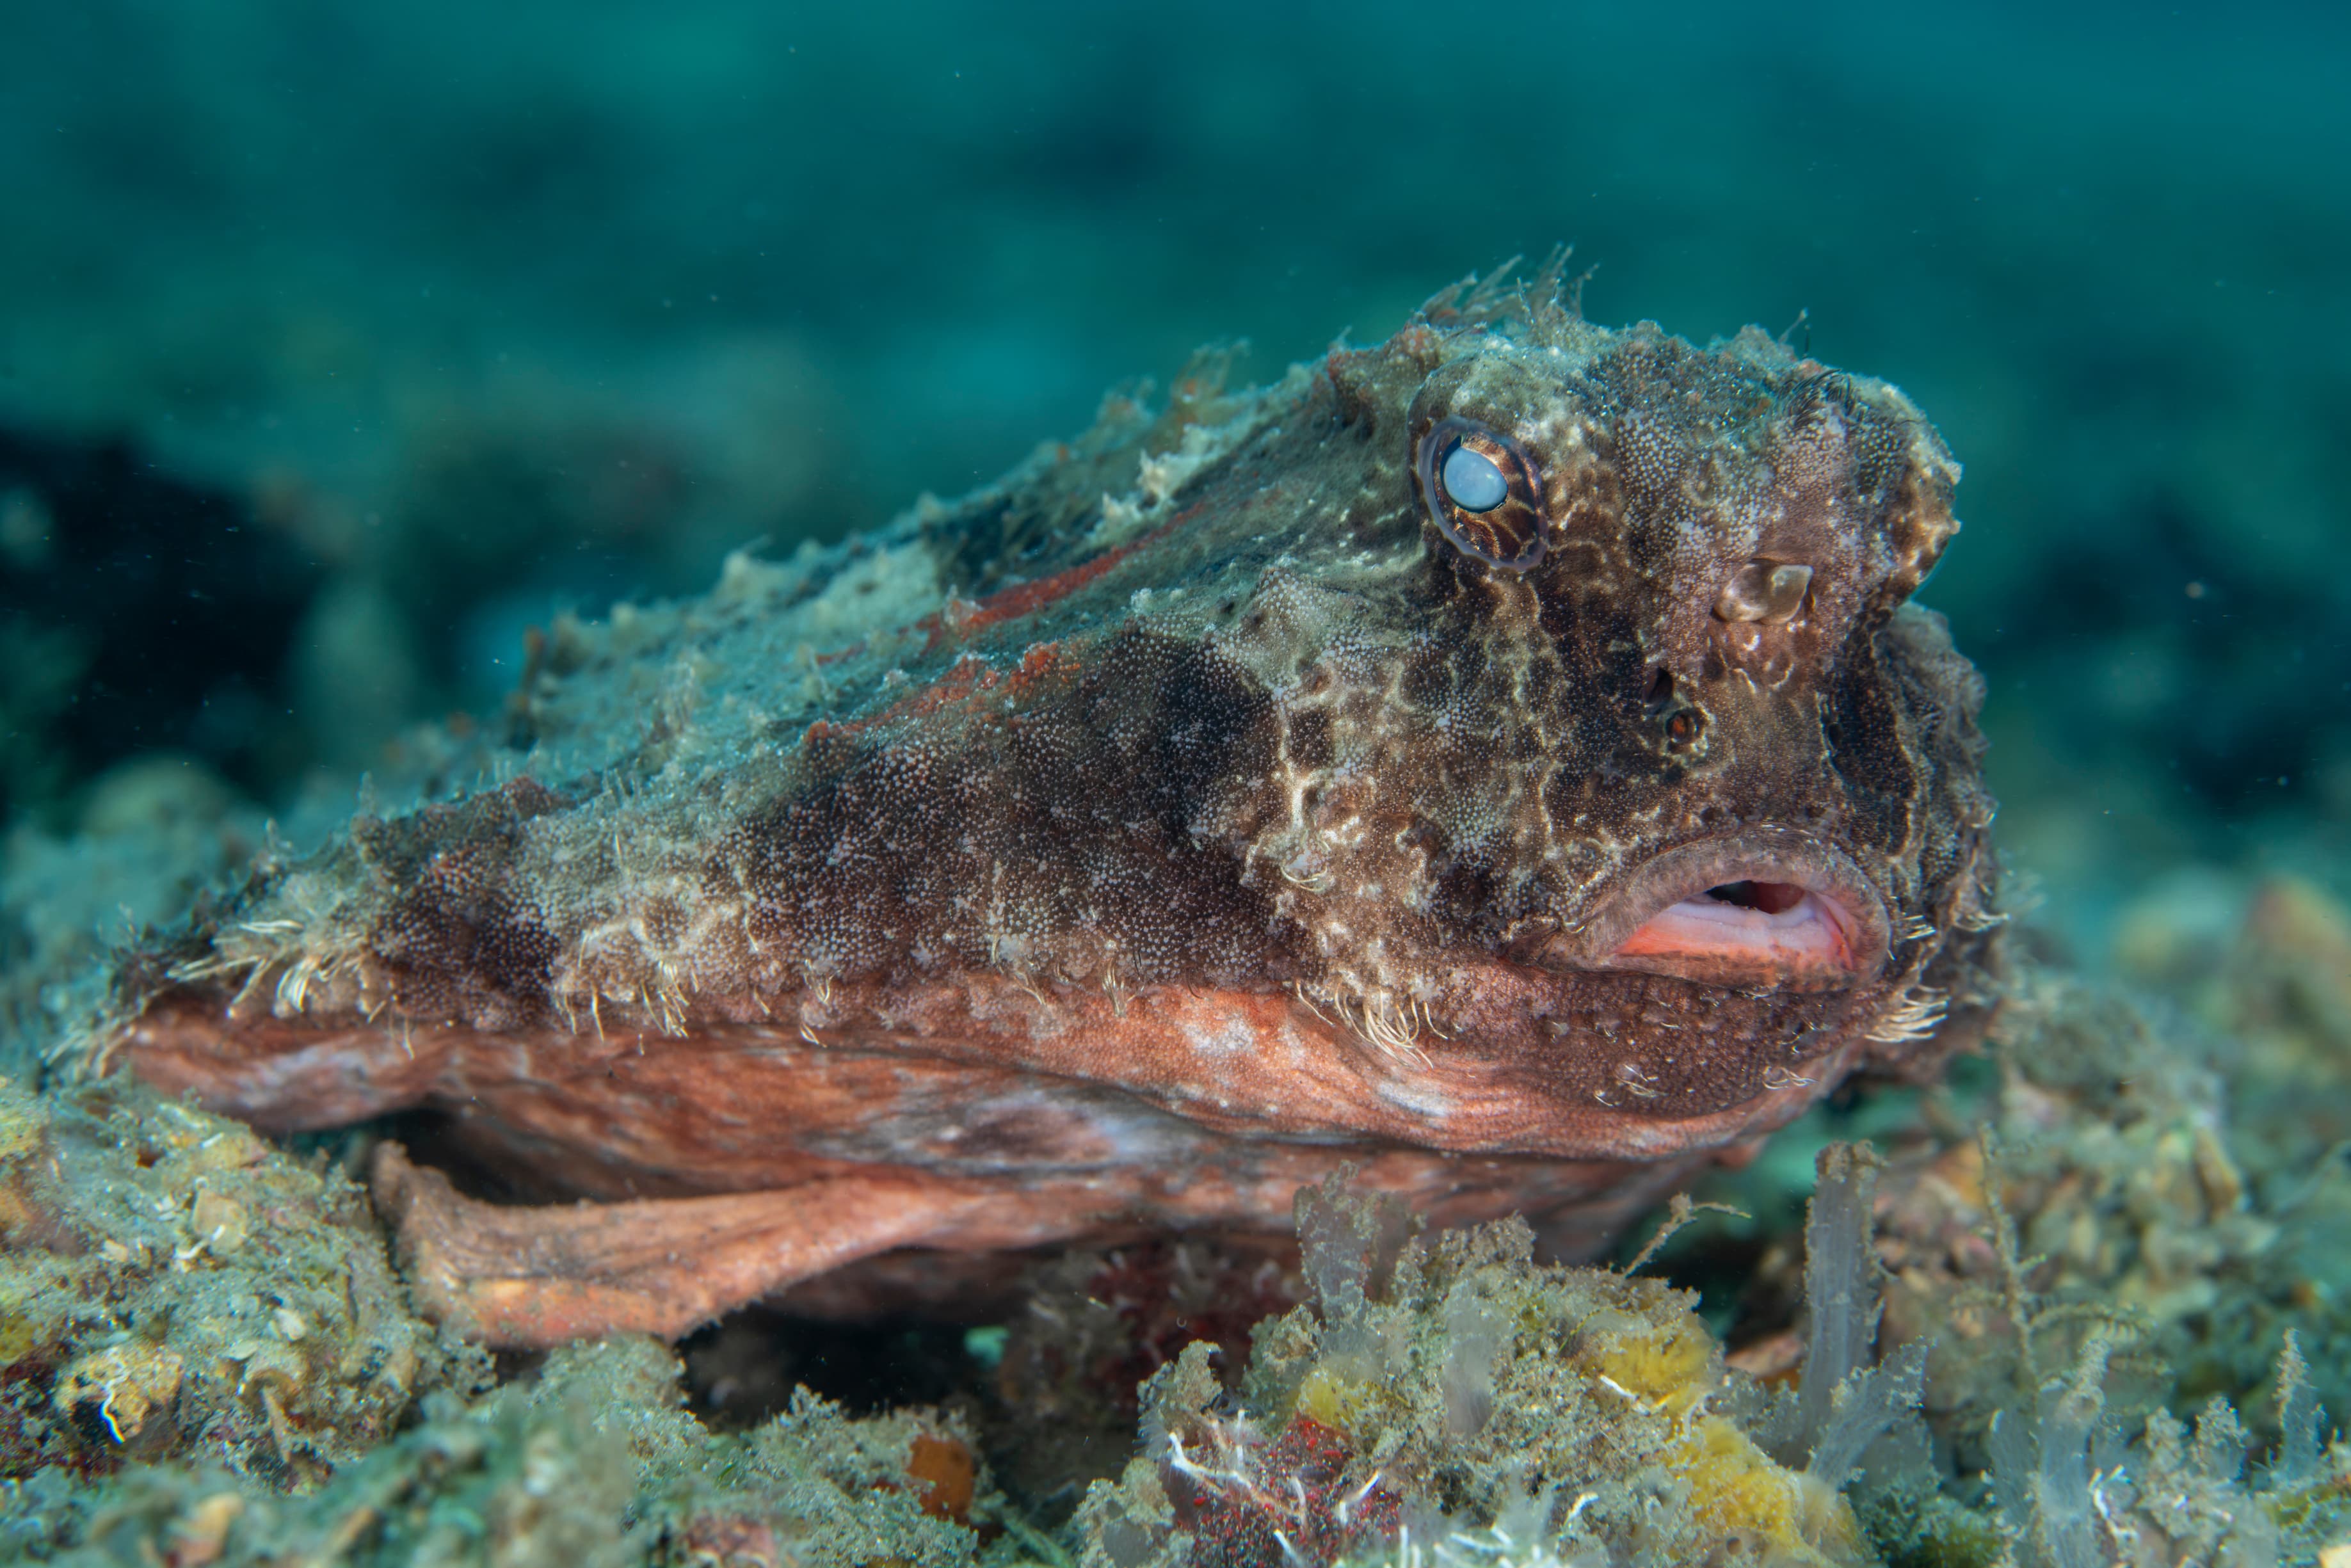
{"x":1765,"y":908}
{"x":1779,"y":925}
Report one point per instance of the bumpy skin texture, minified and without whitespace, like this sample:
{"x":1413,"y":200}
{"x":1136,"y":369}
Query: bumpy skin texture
{"x":1122,"y":846}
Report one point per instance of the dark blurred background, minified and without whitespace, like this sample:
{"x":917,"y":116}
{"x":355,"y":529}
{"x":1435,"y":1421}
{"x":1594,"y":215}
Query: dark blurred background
{"x":339,"y":342}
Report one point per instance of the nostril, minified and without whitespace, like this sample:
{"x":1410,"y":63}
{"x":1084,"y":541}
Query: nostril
{"x":1683,"y":726}
{"x":1683,"y":721}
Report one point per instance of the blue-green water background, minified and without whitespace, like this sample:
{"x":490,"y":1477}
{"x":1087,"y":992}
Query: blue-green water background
{"x":472,"y":311}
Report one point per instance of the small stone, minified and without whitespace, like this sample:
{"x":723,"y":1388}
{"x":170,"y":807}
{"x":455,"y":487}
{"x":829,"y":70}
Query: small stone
{"x":2223,"y":1183}
{"x":946,"y":1473}
{"x":202,"y":1535}
{"x":234,"y":1148}
{"x":128,"y":1383}
{"x":221,"y":1223}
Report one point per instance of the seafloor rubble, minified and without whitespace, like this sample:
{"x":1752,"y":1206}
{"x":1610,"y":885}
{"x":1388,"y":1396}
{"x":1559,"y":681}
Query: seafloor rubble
{"x":172,"y":1284}
{"x":2109,"y":1273}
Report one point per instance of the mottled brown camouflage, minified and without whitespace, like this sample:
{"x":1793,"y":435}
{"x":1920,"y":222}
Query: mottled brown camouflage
{"x":1130,"y":841}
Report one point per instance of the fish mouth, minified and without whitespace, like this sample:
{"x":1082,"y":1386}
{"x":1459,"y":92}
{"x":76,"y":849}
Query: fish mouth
{"x":1765,"y":908}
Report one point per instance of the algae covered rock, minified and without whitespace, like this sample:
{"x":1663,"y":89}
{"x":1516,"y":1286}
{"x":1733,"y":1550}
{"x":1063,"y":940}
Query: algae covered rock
{"x":1091,"y":1330}
{"x":174,"y":1287}
{"x":2133,"y":1180}
{"x":593,"y":1462}
{"x":1453,"y":1390}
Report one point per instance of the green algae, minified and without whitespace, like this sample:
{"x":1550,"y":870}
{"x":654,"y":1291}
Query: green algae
{"x":592,"y":1462}
{"x":175,"y":1288}
{"x":1578,"y":1409}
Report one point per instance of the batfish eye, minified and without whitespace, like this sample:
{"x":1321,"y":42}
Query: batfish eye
{"x":1482,"y":493}
{"x":1472,"y":482}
